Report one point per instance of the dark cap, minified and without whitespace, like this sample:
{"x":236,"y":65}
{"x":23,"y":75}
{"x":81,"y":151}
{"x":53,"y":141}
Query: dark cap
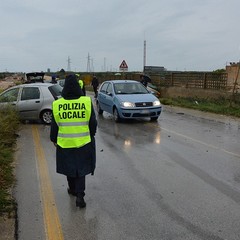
{"x":71,"y":89}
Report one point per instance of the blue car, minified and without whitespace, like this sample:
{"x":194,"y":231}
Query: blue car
{"x":127,"y":99}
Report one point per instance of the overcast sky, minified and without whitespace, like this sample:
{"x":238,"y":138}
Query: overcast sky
{"x":198,"y":35}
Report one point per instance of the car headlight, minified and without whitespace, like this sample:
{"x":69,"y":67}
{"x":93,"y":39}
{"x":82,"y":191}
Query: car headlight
{"x":127,"y":104}
{"x":156,"y":103}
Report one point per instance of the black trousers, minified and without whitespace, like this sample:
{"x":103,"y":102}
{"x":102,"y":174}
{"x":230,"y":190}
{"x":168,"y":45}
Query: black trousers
{"x":77,"y":184}
{"x":95,"y":91}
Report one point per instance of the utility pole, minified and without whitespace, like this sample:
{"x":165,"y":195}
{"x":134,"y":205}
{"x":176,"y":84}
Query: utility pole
{"x":88,"y":63}
{"x":144,"y":54}
{"x":69,"y":64}
{"x":104,"y":64}
{"x":92,"y":67}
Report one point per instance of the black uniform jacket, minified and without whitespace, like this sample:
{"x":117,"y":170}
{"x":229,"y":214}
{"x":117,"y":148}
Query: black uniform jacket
{"x":74,"y":162}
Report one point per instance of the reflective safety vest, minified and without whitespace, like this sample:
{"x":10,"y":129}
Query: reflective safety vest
{"x":72,"y":117}
{"x":80,"y":83}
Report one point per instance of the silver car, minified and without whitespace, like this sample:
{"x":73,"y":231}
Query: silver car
{"x":33,"y":101}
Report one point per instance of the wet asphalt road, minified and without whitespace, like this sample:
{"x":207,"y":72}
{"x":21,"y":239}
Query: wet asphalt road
{"x":178,"y":178}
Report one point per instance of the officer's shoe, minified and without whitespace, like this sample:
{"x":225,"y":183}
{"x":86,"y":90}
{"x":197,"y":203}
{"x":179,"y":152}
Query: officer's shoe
{"x":71,"y":192}
{"x":80,"y":202}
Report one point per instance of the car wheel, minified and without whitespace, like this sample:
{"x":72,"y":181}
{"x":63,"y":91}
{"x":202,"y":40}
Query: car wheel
{"x":154,"y":119}
{"x":116,"y":115}
{"x":99,"y":110}
{"x":46,"y":116}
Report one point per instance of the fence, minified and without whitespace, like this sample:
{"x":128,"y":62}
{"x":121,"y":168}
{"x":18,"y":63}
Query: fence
{"x":203,"y":80}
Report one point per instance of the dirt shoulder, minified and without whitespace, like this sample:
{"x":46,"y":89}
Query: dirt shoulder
{"x":10,"y":81}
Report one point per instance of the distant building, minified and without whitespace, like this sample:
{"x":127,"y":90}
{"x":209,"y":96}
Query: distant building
{"x":154,"y":69}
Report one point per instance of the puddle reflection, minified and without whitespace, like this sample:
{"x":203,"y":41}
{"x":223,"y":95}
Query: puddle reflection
{"x":131,"y":132}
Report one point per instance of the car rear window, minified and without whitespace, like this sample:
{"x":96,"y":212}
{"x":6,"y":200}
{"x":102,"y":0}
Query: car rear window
{"x":56,"y":90}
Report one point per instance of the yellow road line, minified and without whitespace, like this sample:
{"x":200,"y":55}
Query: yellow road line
{"x":203,"y":143}
{"x":53,"y":227}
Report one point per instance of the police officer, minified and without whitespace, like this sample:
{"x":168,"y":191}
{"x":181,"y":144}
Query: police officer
{"x":144,"y":79}
{"x":81,"y":83}
{"x":73,"y":129}
{"x":53,"y":79}
{"x":95,"y":85}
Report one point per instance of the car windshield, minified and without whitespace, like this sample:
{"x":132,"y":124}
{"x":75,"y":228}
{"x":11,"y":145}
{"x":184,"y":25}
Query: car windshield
{"x":10,"y":95}
{"x":56,"y":91}
{"x":130,"y":88}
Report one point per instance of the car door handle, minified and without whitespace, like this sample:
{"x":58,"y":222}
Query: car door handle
{"x":37,"y":101}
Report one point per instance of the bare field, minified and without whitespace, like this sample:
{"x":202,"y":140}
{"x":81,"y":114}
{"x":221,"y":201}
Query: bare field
{"x":9,"y":82}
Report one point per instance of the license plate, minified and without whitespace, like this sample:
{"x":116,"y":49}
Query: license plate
{"x":145,"y":111}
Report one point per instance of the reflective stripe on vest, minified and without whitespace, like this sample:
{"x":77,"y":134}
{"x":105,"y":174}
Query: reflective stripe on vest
{"x":72,"y":124}
{"x":72,"y":118}
{"x":72,"y":135}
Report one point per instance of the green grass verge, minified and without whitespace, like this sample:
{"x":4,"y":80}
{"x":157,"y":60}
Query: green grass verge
{"x":220,"y":106}
{"x":9,"y":125}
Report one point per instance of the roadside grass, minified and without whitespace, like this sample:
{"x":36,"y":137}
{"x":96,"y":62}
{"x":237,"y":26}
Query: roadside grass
{"x":220,"y":106}
{"x":9,"y":126}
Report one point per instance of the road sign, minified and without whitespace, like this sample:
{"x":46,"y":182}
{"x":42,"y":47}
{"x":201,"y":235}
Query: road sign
{"x":123,"y":66}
